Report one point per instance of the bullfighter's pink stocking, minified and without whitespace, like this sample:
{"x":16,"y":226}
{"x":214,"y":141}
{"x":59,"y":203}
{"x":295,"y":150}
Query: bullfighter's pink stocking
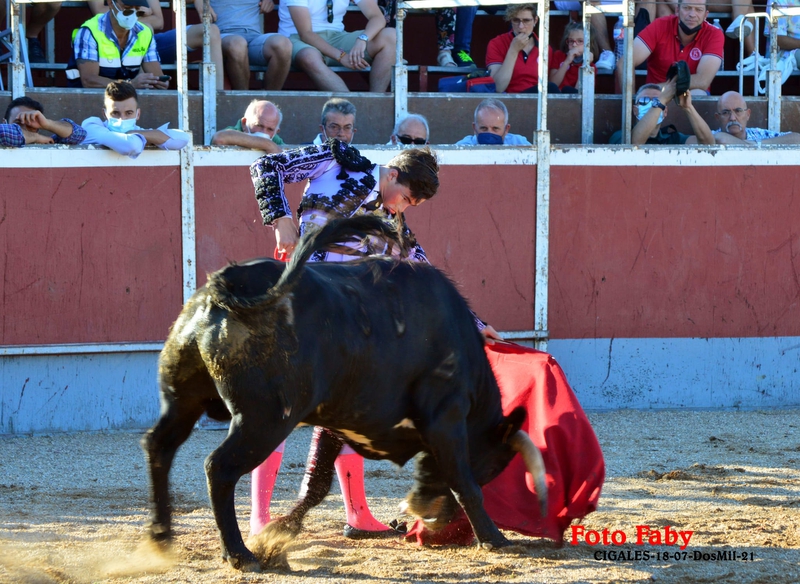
{"x":350,"y":471}
{"x":262,"y":482}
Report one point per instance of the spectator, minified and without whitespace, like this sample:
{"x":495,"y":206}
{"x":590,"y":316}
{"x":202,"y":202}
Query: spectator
{"x":119,"y":130}
{"x":412,"y":129}
{"x":114,"y":46}
{"x":737,"y":9}
{"x":454,"y":32}
{"x":39,"y":14}
{"x":511,"y":57}
{"x":491,"y":126}
{"x":788,"y":29}
{"x":650,"y":109}
{"x":338,"y":121}
{"x":566,"y":63}
{"x":599,"y":32}
{"x":733,"y":114}
{"x":15,"y":136}
{"x":166,"y":41}
{"x":685,"y":37}
{"x":244,"y":43}
{"x":319,"y":41}
{"x":29,"y":115}
{"x":258,"y":129}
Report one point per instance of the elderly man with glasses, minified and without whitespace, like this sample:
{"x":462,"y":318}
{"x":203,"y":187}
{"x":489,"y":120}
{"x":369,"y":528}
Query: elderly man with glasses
{"x":319,"y":41}
{"x":650,"y":109}
{"x":733,"y":114}
{"x":412,"y":129}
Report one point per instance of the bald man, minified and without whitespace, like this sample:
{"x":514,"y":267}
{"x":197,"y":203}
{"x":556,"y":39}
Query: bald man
{"x":412,"y":129}
{"x":258,"y":129}
{"x":733,"y":114}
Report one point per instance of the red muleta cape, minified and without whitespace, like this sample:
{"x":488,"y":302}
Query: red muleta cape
{"x":560,"y":429}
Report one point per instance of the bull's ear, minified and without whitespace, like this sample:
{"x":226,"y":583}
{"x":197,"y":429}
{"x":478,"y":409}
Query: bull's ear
{"x":511,"y":424}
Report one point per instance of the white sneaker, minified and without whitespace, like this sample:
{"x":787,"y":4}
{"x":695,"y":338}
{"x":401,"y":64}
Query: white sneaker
{"x":606,"y":61}
{"x":733,"y":30}
{"x":445,"y":58}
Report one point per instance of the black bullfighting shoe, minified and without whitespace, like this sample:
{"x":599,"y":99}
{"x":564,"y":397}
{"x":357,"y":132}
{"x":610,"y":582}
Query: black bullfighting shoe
{"x":396,"y":530}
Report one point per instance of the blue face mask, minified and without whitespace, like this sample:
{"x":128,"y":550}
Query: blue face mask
{"x":643,"y":109}
{"x":120,"y":125}
{"x":489,"y":138}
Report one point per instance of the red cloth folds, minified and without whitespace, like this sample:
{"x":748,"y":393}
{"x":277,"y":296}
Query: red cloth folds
{"x":560,"y":429}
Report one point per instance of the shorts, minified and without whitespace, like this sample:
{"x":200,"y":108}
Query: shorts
{"x":343,"y":41}
{"x":576,"y":6}
{"x":255,"y":45}
{"x":166,"y":45}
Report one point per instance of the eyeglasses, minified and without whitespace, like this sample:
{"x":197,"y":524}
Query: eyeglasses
{"x":519,"y":21}
{"x":330,"y":10}
{"x":645,"y":100}
{"x":410,"y":140}
{"x":574,"y":41}
{"x":726,"y":113}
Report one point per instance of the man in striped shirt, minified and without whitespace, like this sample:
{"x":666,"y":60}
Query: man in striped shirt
{"x":733,"y":114}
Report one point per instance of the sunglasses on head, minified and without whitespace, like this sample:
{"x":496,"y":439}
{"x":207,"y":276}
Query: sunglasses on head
{"x":410,"y":140}
{"x":645,"y":100}
{"x":129,"y":11}
{"x":330,"y":10}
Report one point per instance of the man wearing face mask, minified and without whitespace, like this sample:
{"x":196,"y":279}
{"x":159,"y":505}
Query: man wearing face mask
{"x":685,"y":36}
{"x":258,"y":129}
{"x":650,"y":109}
{"x":338,"y":121}
{"x":119,"y":130}
{"x":491,"y":126}
{"x":114,"y":46}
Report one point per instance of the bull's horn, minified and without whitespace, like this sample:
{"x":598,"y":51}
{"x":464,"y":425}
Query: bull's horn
{"x":521,"y":442}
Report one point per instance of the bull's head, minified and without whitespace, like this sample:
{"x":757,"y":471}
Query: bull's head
{"x":431,"y":499}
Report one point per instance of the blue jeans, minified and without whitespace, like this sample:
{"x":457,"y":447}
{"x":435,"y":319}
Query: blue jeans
{"x":465,"y":16}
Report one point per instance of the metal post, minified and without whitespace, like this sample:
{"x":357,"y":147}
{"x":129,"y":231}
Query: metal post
{"x":180,"y":40}
{"x":773,"y":78}
{"x":19,"y":54}
{"x":542,"y":267}
{"x":629,"y":73}
{"x":542,"y":61}
{"x":400,"y":79}
{"x":208,"y":79}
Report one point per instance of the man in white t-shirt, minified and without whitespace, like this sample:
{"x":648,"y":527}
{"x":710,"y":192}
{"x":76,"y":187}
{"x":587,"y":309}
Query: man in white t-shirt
{"x":319,"y":41}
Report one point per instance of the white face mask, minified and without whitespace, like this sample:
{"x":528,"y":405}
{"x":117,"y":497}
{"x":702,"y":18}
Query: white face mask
{"x":259,"y":134}
{"x":643,"y":109}
{"x":120,"y":125}
{"x":126,"y":22}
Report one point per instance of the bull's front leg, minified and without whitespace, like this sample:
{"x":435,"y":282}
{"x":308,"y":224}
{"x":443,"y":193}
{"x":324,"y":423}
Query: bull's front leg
{"x":449,"y":446}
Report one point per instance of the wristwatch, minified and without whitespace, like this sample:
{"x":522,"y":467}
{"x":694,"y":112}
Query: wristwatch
{"x":657,"y":103}
{"x":363,"y":37}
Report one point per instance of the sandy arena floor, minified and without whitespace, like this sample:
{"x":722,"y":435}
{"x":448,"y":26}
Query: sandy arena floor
{"x":73,"y":509}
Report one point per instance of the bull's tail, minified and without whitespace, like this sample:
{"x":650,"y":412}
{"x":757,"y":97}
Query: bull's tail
{"x":334,"y":234}
{"x":337,"y":232}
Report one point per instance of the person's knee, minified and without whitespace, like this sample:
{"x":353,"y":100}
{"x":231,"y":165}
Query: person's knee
{"x":387,"y":39}
{"x":309,"y":59}
{"x":213,"y":33}
{"x":235,"y":47}
{"x":277,"y":47}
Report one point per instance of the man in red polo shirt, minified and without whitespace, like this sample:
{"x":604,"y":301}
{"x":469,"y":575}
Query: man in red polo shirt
{"x":685,"y":36}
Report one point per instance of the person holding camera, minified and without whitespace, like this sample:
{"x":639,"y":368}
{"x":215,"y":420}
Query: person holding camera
{"x":120,"y":132}
{"x":650,"y":109}
{"x":114,"y":46}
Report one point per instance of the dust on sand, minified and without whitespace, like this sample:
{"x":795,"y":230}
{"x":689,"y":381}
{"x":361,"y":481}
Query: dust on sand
{"x":73,"y":509}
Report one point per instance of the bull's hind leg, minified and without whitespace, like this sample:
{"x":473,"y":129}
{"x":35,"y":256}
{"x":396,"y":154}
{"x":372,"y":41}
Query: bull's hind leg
{"x":160,"y":444}
{"x":247,"y":445}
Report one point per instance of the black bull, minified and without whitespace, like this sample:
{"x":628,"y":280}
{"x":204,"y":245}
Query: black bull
{"x":385,"y":353}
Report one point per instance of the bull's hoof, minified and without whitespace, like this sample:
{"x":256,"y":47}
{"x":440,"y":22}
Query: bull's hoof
{"x":244,"y":562}
{"x":495,"y":543}
{"x":351,"y":532}
{"x":271,"y":544}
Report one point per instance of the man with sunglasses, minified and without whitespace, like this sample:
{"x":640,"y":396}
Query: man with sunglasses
{"x":114,"y":46}
{"x":650,"y":109}
{"x":412,"y":129}
{"x":319,"y":41}
{"x":685,"y":36}
{"x":733,"y":114}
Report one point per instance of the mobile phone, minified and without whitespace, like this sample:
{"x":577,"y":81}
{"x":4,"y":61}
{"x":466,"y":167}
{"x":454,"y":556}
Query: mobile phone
{"x":164,"y":77}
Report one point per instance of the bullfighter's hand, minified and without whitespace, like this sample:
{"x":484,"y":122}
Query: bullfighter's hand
{"x":490,"y":335}
{"x":285,"y":236}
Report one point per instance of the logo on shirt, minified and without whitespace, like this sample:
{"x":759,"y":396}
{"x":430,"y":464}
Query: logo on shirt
{"x":695,"y":54}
